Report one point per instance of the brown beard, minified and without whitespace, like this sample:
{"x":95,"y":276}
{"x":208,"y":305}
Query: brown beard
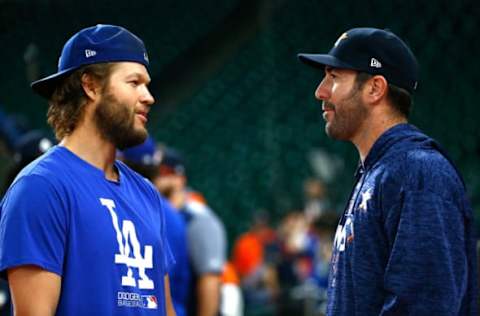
{"x":348,"y":116}
{"x":115,"y":122}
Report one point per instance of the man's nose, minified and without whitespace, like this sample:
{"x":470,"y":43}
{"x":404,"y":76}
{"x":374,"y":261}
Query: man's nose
{"x":322,"y":92}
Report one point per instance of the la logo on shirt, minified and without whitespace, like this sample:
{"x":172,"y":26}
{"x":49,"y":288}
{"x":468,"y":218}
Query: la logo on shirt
{"x":131,"y":256}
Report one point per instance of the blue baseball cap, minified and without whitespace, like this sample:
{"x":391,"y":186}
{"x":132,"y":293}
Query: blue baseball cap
{"x":373,"y":51}
{"x":145,"y":154}
{"x":97,"y":44}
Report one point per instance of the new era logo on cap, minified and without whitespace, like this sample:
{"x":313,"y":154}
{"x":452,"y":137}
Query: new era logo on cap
{"x":375,"y":63}
{"x":90,"y":53}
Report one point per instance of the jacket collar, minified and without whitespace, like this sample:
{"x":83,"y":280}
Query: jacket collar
{"x":384,"y":142}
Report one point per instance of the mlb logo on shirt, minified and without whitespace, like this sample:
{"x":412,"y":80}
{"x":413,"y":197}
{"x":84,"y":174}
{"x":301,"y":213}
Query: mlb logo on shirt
{"x":150,"y":301}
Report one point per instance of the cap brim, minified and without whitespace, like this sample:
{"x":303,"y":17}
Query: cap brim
{"x":46,"y":86}
{"x":322,"y":60}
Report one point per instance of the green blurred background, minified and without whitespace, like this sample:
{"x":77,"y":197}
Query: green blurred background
{"x":232,"y":97}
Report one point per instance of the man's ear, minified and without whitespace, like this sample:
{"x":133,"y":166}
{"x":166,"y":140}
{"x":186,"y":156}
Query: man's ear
{"x":377,"y":88}
{"x":90,"y":86}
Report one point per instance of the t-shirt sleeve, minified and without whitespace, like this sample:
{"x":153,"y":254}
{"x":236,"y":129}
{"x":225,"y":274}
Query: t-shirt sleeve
{"x":33,"y":226}
{"x":427,"y":268}
{"x":206,"y":244}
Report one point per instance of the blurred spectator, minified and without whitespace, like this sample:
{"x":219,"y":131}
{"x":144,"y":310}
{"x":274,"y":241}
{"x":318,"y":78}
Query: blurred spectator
{"x":12,"y":127}
{"x":303,"y":267}
{"x":27,"y":148}
{"x":206,"y":236}
{"x":253,"y":260}
{"x":231,"y":302}
{"x":316,"y":201}
{"x":323,"y":230}
{"x":145,"y":159}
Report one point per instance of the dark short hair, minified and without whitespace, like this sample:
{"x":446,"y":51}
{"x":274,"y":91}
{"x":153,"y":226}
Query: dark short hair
{"x":400,"y":98}
{"x":67,"y":104}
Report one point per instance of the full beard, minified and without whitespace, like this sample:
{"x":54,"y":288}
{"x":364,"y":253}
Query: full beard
{"x":347,"y":118}
{"x":115,"y":122}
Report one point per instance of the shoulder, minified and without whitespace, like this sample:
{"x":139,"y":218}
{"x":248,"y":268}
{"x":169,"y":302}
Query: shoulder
{"x":421,"y":169}
{"x":201,"y":214}
{"x":198,"y":209}
{"x":30,"y":185}
{"x":203,"y":223}
{"x":44,"y":174}
{"x":49,"y":165}
{"x":33,"y":199}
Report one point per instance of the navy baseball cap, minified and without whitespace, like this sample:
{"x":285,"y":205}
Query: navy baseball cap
{"x":171,"y":162}
{"x":97,"y":44}
{"x":373,"y":51}
{"x":32,"y":145}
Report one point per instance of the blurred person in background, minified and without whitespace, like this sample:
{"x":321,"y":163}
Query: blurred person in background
{"x":145,"y":159}
{"x":254,"y":261}
{"x":206,"y":237}
{"x":317,"y":252}
{"x":27,"y":148}
{"x":294,"y":264}
{"x":316,"y":199}
{"x":231,"y":297}
{"x":405,"y":243}
{"x":322,"y":232}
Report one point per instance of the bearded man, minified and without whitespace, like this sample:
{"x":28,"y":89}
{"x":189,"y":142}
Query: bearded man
{"x":81,"y":233}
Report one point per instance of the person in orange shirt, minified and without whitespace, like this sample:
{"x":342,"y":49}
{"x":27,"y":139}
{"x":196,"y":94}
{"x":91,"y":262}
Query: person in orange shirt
{"x":258,"y":276}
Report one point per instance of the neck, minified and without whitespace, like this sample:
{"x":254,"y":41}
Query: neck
{"x":86,"y":143}
{"x":371,"y":131}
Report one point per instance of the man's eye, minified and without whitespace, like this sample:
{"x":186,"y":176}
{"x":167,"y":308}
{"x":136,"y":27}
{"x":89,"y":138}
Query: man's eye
{"x":134,"y":83}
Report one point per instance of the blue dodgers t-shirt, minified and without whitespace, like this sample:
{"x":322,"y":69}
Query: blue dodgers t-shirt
{"x":106,"y":239}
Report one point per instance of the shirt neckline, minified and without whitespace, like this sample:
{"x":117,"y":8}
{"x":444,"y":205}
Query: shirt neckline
{"x":90,"y":167}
